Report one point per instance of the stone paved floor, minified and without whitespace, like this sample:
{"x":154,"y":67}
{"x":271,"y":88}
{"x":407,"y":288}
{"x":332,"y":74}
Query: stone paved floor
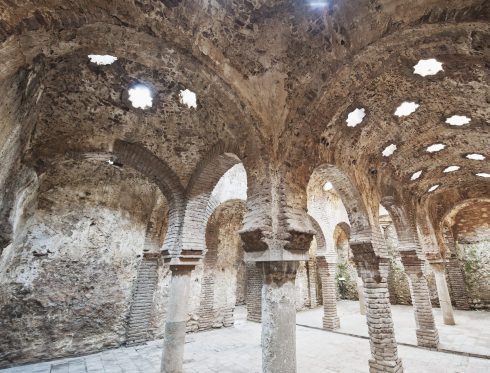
{"x":237,"y":350}
{"x":470,"y":334}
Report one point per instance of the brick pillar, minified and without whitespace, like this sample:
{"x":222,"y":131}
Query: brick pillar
{"x":374,"y":272}
{"x":175,"y":324}
{"x":312,"y":274}
{"x":254,"y":292}
{"x":443,"y":292}
{"x":329,"y":289}
{"x":455,"y":276}
{"x":279,"y":317}
{"x":427,"y":335}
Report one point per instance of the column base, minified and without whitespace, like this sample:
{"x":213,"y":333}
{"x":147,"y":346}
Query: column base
{"x":427,"y":338}
{"x":383,"y":366}
{"x":331,"y":323}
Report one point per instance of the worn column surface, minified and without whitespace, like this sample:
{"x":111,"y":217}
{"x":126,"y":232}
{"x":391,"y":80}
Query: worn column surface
{"x":254,"y":292}
{"x":329,"y":293}
{"x":279,"y":317}
{"x":362,"y":299}
{"x":374,"y":273}
{"x":175,"y":323}
{"x":443,"y":293}
{"x":427,"y":335}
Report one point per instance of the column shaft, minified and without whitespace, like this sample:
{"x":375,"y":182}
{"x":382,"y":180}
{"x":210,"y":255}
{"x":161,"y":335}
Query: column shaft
{"x":175,"y":323}
{"x":443,"y":293}
{"x":427,"y":335}
{"x":329,"y":290}
{"x":362,"y":299}
{"x":279,"y":317}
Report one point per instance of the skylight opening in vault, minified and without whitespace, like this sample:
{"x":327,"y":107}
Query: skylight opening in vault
{"x":355,"y":117}
{"x":416,"y":175}
{"x":475,"y":157}
{"x":458,"y":120}
{"x":406,"y":108}
{"x":389,"y":150}
{"x":435,"y":148}
{"x":327,"y":186}
{"x":100,"y":59}
{"x":140,"y":97}
{"x":188,"y":98}
{"x":451,"y":169}
{"x":483,"y":174}
{"x":427,"y":67}
{"x":433,"y":187}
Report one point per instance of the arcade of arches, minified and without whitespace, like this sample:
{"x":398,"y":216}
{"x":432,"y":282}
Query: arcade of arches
{"x":167,"y":164}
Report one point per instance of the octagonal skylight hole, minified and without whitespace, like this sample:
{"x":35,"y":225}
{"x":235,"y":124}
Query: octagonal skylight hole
{"x":327,"y":186}
{"x":433,"y":187}
{"x":389,"y":150}
{"x":355,"y":117}
{"x":483,"y":174}
{"x":188,"y":98}
{"x":458,"y":120}
{"x":416,"y":175}
{"x":451,"y":169}
{"x":406,"y":108}
{"x":435,"y":148}
{"x":102,"y":59}
{"x":140,"y":97}
{"x":475,"y":156}
{"x":428,"y":67}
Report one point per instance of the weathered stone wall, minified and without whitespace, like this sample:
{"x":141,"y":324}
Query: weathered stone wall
{"x":346,"y":276}
{"x":475,"y":257}
{"x":66,"y":280}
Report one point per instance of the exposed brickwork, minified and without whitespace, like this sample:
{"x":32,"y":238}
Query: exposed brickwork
{"x":329,"y":290}
{"x":254,"y":292}
{"x":138,"y":329}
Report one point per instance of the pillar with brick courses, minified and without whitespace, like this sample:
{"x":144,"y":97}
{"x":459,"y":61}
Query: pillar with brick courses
{"x":454,"y":271}
{"x":329,"y":290}
{"x":312,"y":274}
{"x":427,"y":335}
{"x":443,"y":292}
{"x":254,"y":292}
{"x":362,"y":299}
{"x":374,"y":272}
{"x":175,"y":323}
{"x":279,"y":317}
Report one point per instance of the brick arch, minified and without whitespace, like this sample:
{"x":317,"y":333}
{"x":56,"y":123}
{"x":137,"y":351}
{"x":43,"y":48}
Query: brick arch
{"x":404,"y":222}
{"x":144,"y":161}
{"x":320,"y":237}
{"x":199,"y":190}
{"x":360,"y":227}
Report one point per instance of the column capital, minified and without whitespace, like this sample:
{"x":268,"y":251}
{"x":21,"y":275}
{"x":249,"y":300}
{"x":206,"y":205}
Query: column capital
{"x":279,"y":272}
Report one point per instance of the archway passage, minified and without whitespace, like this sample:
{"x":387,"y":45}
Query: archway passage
{"x":223,"y":269}
{"x":379,"y":101}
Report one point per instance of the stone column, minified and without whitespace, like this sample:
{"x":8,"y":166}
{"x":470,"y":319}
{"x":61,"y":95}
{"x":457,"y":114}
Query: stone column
{"x":175,"y":323}
{"x":254,"y":292}
{"x":362,"y":299}
{"x":374,"y":272}
{"x":279,"y":317}
{"x":443,"y":293}
{"x":329,"y":290}
{"x":427,"y":335}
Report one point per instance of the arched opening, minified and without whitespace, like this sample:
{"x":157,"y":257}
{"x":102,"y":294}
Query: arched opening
{"x":223,"y":269}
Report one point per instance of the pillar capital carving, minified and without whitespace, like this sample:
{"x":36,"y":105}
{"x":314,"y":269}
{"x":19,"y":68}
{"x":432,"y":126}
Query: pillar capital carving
{"x":279,"y":272}
{"x":368,"y":264}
